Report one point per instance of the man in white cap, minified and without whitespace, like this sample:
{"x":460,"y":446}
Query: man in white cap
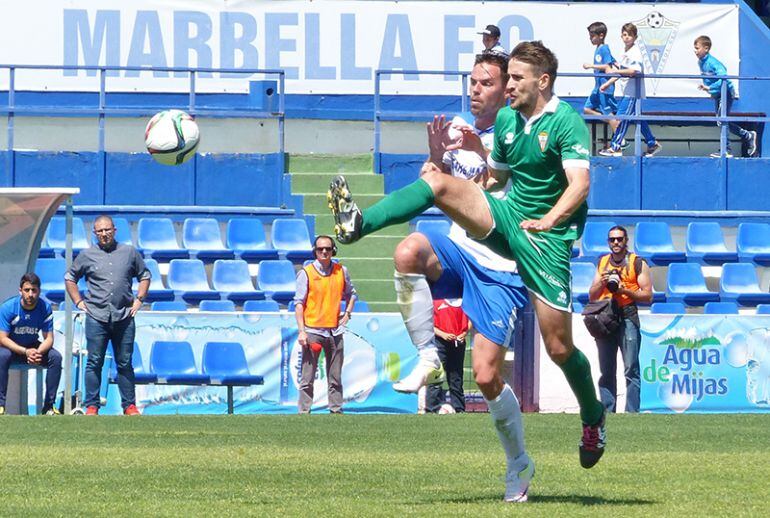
{"x":491,"y":39}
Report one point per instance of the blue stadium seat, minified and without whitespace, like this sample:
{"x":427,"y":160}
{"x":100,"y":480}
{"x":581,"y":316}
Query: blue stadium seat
{"x":763,"y":309}
{"x":217,"y":305}
{"x":360,"y":306}
{"x":277,"y":279}
{"x":577,"y":307}
{"x":157,"y":290}
{"x":157,"y":239}
{"x":582,"y":278}
{"x":55,"y":240}
{"x":436,"y":226}
{"x":291,"y":237}
{"x":122,"y":232}
{"x":232,"y":279}
{"x":594,"y":244}
{"x":739,"y":284}
{"x":168,"y":305}
{"x":261,"y":305}
{"x":141,"y":375}
{"x":188,"y":277}
{"x":246,"y":236}
{"x":720,"y":308}
{"x":202,"y":238}
{"x":706,"y":244}
{"x":652,"y":240}
{"x":291,"y":306}
{"x":225,"y":363}
{"x":174,"y":364}
{"x":668,"y":308}
{"x":51,"y":272}
{"x":754,"y":243}
{"x":686,"y":284}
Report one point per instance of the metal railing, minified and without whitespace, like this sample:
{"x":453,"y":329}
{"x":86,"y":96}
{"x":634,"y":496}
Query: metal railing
{"x":722,"y":119}
{"x":102,"y":110}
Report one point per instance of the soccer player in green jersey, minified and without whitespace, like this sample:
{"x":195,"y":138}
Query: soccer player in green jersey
{"x":541,"y":144}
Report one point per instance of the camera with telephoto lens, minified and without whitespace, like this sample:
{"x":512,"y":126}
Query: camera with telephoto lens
{"x":613,"y":281}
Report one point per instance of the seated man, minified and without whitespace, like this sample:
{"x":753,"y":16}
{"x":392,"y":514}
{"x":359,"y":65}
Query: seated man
{"x":22,"y":318}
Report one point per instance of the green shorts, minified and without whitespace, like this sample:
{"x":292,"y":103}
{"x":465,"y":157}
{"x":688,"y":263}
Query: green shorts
{"x":543,"y":257}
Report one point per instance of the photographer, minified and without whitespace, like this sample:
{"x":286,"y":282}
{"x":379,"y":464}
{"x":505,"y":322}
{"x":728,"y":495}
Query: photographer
{"x":625,"y":277}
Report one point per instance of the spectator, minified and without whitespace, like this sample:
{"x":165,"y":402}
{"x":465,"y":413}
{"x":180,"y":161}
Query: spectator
{"x":625,"y":277}
{"x":709,"y":67}
{"x":598,"y":102}
{"x":630,"y":65}
{"x":110,"y":307}
{"x":490,"y":37}
{"x":22,"y":319}
{"x":322,"y":286}
{"x":451,"y":326}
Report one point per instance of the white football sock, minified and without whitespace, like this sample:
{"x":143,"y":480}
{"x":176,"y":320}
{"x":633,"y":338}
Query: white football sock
{"x":416,"y":304}
{"x":506,"y":415}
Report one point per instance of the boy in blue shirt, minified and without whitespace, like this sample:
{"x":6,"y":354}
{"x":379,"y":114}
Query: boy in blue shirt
{"x":599,"y":102}
{"x":711,"y":66}
{"x":22,"y":319}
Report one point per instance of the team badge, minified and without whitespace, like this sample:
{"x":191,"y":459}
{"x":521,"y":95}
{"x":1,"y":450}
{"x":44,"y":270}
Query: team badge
{"x":656,"y":39}
{"x":542,"y":139}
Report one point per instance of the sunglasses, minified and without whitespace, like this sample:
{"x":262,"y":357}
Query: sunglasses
{"x":324,"y":248}
{"x":616,"y":239}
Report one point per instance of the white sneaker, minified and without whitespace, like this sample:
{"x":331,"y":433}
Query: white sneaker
{"x":610,"y":152}
{"x":751,"y":144}
{"x":426,"y":373}
{"x":517,"y":483}
{"x":718,"y":155}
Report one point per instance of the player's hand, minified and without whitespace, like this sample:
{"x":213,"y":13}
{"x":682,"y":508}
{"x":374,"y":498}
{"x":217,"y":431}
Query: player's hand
{"x":537,"y":225}
{"x":137,"y":304}
{"x":33,"y":356}
{"x":703,"y":87}
{"x":469,"y":141}
{"x":604,"y":87}
{"x":438,"y":137}
{"x":586,"y":66}
{"x":302,"y":338}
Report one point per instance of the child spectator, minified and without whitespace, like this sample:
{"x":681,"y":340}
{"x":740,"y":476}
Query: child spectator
{"x":601,"y":103}
{"x":711,"y":66}
{"x":630,"y":65}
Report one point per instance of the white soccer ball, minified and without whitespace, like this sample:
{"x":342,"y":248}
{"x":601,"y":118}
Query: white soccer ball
{"x":171,"y":137}
{"x":446,"y":408}
{"x":655,"y":20}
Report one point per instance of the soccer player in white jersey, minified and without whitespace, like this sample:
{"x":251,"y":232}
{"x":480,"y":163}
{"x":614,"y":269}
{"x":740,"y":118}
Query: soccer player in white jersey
{"x":433,"y":265}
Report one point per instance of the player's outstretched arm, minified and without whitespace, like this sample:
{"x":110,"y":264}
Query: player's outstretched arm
{"x":574,"y":195}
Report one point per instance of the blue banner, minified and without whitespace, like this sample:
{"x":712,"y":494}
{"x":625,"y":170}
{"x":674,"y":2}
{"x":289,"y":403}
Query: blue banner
{"x":705,"y":363}
{"x":377,"y":353}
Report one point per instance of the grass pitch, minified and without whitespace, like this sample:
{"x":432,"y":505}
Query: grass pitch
{"x":372,"y":465}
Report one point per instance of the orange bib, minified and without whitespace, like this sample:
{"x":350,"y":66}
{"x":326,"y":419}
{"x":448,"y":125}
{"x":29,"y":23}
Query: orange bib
{"x":324,"y":295}
{"x":628,"y":276}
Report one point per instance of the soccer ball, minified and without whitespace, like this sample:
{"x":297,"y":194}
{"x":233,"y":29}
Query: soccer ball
{"x":655,"y":20}
{"x":446,"y":408}
{"x":171,"y":137}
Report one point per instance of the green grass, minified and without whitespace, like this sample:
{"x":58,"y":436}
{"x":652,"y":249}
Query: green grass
{"x":371,"y":465}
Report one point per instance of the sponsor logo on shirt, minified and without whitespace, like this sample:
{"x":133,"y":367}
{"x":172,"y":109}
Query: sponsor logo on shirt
{"x":26,"y":330}
{"x":508,"y":138}
{"x":580,"y":149}
{"x":550,"y":279}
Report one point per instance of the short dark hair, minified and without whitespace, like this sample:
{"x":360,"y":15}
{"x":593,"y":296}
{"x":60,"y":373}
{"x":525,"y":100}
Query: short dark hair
{"x":630,"y":28}
{"x":703,"y":40}
{"x":30,"y":277}
{"x":494,"y":58}
{"x":597,"y":28}
{"x":537,"y":55}
{"x":621,"y":228}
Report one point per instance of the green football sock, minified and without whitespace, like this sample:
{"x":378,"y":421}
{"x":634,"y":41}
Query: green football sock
{"x":398,"y":207}
{"x":578,"y":373}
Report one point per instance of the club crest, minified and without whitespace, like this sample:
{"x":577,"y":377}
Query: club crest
{"x":656,"y":39}
{"x":542,"y":139}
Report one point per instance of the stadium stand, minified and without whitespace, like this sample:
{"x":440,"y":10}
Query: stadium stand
{"x":141,"y":374}
{"x":51,"y":273}
{"x":158,"y":290}
{"x":246,"y":236}
{"x":668,"y":308}
{"x":686,"y":284}
{"x":593,"y":244}
{"x":225,"y":364}
{"x":738,"y":283}
{"x":203,"y":239}
{"x":582,"y":277}
{"x":763,"y":309}
{"x":168,"y":305}
{"x":291,"y":238}
{"x":753,"y":243}
{"x":436,"y":226}
{"x":187,"y":277}
{"x":652,"y":240}
{"x":360,"y":306}
{"x":277,"y":279}
{"x":706,"y":244}
{"x":56,"y":239}
{"x":157,"y":239}
{"x":232,"y":279}
{"x":261,"y":305}
{"x":217,"y":305}
{"x":174,"y":364}
{"x":720,"y":308}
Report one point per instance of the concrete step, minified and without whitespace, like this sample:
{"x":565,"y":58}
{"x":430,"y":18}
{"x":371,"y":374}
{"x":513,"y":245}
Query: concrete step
{"x":335,"y":164}
{"x":374,"y":245}
{"x":324,"y":224}
{"x":317,"y":203}
{"x":369,"y":267}
{"x":318,"y":183}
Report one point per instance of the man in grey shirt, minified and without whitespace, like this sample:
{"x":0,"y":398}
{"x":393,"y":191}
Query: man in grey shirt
{"x":321,"y":288}
{"x":110,"y":306}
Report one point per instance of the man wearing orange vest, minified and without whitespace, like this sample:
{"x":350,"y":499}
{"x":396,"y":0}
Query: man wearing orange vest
{"x":624,"y":277}
{"x":321,"y":288}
